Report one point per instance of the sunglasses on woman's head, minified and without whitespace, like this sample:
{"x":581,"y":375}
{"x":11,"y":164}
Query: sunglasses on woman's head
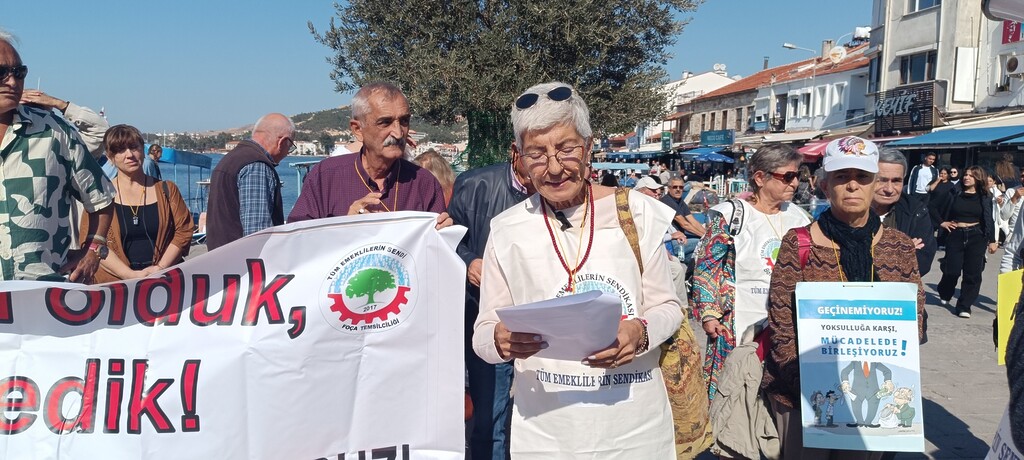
{"x":558,"y":94}
{"x":19,"y":72}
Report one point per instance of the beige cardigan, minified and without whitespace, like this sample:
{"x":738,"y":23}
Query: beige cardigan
{"x":176,"y":227}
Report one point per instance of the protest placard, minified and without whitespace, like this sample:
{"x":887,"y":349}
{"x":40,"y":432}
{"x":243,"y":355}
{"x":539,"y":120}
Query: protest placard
{"x":328,"y":339}
{"x":1008,"y":294}
{"x":860,"y":378}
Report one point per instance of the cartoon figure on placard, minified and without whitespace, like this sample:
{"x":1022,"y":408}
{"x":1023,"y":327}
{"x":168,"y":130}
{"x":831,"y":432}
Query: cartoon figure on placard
{"x":901,"y":406}
{"x":832,"y":397}
{"x":818,"y":404}
{"x":860,"y":384}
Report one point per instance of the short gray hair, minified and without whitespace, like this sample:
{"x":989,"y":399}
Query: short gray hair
{"x":8,"y":37}
{"x":770,"y":157}
{"x":546,"y":113}
{"x":893,"y":156}
{"x":361,"y":101}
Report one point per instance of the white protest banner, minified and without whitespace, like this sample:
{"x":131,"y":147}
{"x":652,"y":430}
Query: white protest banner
{"x":335,"y":339}
{"x":1002,"y":445}
{"x":860,"y":366}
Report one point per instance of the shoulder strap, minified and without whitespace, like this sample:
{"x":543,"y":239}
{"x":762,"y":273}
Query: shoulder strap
{"x":627,"y":224}
{"x":736,"y":222}
{"x":803,"y":238}
{"x":167,"y":193}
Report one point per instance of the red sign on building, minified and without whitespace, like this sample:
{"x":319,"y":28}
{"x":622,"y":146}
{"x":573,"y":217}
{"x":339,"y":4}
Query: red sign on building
{"x":1011,"y":32}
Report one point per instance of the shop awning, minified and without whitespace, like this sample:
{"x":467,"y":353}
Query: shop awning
{"x":961,"y":138}
{"x":620,"y":166}
{"x":814,"y":149}
{"x":1014,"y":141}
{"x":794,"y":137}
{"x":703,"y":150}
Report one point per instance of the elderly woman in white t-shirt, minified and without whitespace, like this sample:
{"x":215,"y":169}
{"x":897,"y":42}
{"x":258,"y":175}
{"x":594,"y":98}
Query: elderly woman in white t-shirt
{"x":612,"y":403}
{"x":735,"y":258}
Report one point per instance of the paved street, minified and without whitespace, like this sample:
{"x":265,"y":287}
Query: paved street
{"x":964,"y":391}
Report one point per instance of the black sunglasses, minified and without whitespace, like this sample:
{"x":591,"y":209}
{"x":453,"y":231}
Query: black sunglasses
{"x":787,"y":177}
{"x":559,"y":94}
{"x":19,"y":72}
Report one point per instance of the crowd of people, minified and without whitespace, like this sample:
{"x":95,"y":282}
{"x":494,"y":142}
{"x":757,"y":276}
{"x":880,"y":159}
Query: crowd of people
{"x":537,"y":226}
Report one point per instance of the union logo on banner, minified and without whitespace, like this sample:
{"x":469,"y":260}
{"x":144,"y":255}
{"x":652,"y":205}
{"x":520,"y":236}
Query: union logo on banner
{"x":369,"y":290}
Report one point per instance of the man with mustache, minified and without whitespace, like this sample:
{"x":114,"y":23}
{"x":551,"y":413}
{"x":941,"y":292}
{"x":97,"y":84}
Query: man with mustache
{"x":378,"y":178}
{"x":46,"y":168}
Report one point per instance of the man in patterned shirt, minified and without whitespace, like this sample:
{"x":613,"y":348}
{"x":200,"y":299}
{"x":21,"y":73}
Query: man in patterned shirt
{"x":44,"y":166}
{"x":245,"y":190}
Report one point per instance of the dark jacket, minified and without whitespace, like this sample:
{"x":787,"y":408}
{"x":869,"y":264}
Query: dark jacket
{"x":1015,"y":375}
{"x":912,"y":218}
{"x":477,"y":197}
{"x":914,"y":173}
{"x":223,"y":221}
{"x":987,"y":224}
{"x":938,"y":201}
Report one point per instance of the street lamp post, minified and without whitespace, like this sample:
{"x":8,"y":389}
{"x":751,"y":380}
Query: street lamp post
{"x":814,"y":71}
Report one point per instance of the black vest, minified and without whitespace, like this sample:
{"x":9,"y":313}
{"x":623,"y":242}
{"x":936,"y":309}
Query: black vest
{"x":223,"y":221}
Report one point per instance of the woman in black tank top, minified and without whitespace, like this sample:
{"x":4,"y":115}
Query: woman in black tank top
{"x":971,"y":226}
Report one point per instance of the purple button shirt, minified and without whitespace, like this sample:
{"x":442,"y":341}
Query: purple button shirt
{"x":335,"y":183}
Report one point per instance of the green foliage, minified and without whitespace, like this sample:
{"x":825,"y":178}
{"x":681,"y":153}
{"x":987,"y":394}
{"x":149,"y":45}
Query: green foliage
{"x":472,"y":58}
{"x":369,"y":282}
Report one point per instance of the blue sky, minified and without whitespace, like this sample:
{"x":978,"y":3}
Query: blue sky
{"x":197,"y":65}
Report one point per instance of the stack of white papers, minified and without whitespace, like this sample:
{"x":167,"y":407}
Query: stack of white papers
{"x":574,"y":326}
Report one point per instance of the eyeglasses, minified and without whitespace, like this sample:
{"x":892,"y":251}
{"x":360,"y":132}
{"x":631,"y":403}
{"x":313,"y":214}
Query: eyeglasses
{"x":562,"y":154}
{"x":558,"y":94}
{"x":788,"y":177}
{"x":293,"y":148}
{"x":675,"y":187}
{"x":19,"y":72}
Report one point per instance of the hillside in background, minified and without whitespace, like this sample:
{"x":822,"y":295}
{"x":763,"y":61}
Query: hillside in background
{"x":325,"y":126}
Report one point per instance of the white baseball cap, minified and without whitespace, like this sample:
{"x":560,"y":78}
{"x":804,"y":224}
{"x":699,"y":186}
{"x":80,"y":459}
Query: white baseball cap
{"x":851,"y":152}
{"x":647,"y":182}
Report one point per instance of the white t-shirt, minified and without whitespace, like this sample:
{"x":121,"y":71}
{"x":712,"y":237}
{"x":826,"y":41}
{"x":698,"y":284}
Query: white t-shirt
{"x":564,"y":409}
{"x":757,"y":247}
{"x":924,"y":177}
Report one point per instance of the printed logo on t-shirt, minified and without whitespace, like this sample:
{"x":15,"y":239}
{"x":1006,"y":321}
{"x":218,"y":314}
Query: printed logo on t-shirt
{"x":769,"y":253}
{"x":586,"y":282}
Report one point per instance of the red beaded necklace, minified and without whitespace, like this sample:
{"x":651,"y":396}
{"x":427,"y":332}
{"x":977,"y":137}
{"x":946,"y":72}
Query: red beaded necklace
{"x":588,"y":199}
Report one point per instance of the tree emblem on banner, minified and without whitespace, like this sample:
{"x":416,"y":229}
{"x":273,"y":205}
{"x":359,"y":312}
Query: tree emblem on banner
{"x":369,"y":290}
{"x":369,"y":282}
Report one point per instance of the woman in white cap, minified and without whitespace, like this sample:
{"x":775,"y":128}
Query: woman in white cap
{"x":846,"y":243}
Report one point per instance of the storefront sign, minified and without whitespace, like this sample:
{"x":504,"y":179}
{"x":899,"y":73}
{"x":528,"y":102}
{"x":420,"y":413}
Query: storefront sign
{"x":666,"y":140}
{"x":907,"y":109}
{"x":1011,"y":32}
{"x":718,"y":137}
{"x":327,"y":339}
{"x":860,"y":377}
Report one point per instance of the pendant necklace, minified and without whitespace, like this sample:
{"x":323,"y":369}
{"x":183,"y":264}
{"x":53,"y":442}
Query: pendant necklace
{"x":365,"y":184}
{"x":581,"y":256}
{"x":133,"y":209}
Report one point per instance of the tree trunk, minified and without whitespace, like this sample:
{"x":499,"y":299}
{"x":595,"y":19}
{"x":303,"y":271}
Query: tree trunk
{"x":490,"y":138}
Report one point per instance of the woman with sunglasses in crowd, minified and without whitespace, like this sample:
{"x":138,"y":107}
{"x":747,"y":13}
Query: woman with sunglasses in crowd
{"x":968,"y":219}
{"x":846,"y":243}
{"x":735,"y":258}
{"x":152,"y":226}
{"x":567,"y":239}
